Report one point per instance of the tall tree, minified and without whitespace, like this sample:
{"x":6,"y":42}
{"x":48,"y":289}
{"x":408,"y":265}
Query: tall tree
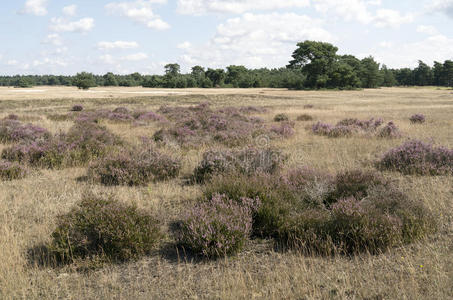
{"x":369,"y":73}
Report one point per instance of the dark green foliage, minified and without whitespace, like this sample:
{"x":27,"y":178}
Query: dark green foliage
{"x":281,"y":118}
{"x":106,"y":228}
{"x":84,"y":80}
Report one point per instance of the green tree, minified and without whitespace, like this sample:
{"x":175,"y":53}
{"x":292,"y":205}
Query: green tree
{"x":388,"y":77}
{"x":423,"y":74}
{"x":369,"y":73}
{"x":110,"y":79}
{"x":217,"y":76}
{"x":316,"y":60}
{"x":172,"y":70}
{"x":84,"y":80}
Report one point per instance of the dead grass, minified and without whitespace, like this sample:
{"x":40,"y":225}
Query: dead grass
{"x":28,"y":207}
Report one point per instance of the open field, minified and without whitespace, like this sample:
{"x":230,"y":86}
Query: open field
{"x":29,"y":207}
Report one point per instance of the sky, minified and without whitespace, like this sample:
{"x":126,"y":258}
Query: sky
{"x":63,"y":37}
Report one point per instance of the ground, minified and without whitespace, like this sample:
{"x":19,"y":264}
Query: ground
{"x":28,"y":207}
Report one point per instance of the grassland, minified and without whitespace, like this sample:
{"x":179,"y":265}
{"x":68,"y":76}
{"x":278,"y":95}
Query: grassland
{"x":28,"y":207}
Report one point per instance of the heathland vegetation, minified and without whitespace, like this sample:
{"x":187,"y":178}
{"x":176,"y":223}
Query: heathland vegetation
{"x":314,"y":65}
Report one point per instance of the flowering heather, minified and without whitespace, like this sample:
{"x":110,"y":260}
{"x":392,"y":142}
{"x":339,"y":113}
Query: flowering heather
{"x":134,"y":167}
{"x":11,"y":117}
{"x":150,"y":116}
{"x":198,"y":125}
{"x":15,"y":131}
{"x":284,"y":129}
{"x":106,"y":228}
{"x":308,"y":106}
{"x":418,"y":119}
{"x":252,"y":110}
{"x":417,"y":157}
{"x":390,"y":131}
{"x":119,"y":117}
{"x":249,"y":161}
{"x":77,"y":108}
{"x":11,"y":170}
{"x":347,"y":127}
{"x":281,"y":118}
{"x":219,"y":226}
{"x":121,"y":110}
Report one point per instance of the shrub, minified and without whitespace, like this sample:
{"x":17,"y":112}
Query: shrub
{"x":417,"y":157}
{"x":15,"y":131}
{"x":304,"y":117}
{"x":11,"y":171}
{"x":390,"y":131}
{"x":417,"y":118}
{"x":134,"y":168}
{"x":308,"y":106}
{"x":121,"y":110}
{"x":355,"y":211}
{"x":347,"y":127}
{"x":104,"y":227}
{"x":249,"y":161}
{"x":285,"y":129}
{"x":11,"y":117}
{"x":77,"y":108}
{"x":219,"y":226}
{"x":281,"y":118}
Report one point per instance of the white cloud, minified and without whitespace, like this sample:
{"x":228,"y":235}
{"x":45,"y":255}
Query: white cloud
{"x":430,"y":30}
{"x":386,"y":44}
{"x":35,"y":7}
{"x":141,"y":11}
{"x":63,"y":25}
{"x":12,"y":62}
{"x":445,"y":6}
{"x":263,"y":40}
{"x":135,"y":57}
{"x":184,"y":45}
{"x":199,"y":7}
{"x":433,"y":48}
{"x":391,"y":18}
{"x":50,"y":61}
{"x":53,"y":39}
{"x":117,"y":45}
{"x":70,"y":10}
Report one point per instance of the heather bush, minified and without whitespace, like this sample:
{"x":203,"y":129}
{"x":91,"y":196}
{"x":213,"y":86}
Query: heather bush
{"x":77,"y":108}
{"x":281,"y":118}
{"x":134,"y":167}
{"x":252,"y":109}
{"x":308,"y":106}
{"x":390,"y":131}
{"x":417,"y":118}
{"x":304,"y":117}
{"x":249,"y":161}
{"x":11,"y":117}
{"x":284,"y":129}
{"x":347,"y":127}
{"x":218,"y":227}
{"x":354,"y":211}
{"x":49,"y":153}
{"x":417,"y":157}
{"x":121,"y":110}
{"x":15,"y":131}
{"x":106,"y":228}
{"x":11,"y":171}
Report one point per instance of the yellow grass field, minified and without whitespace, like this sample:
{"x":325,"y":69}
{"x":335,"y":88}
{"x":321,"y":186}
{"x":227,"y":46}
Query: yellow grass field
{"x":29,"y":207}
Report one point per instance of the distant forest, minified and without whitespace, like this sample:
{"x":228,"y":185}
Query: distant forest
{"x":314,"y":65}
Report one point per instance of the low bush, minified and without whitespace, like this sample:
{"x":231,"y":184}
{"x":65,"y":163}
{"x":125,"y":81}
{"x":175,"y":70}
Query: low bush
{"x":308,"y":106}
{"x":284,"y":129}
{"x":106,"y":228}
{"x":389,"y":131}
{"x":304,"y":117}
{"x":12,"y":130}
{"x":352,"y":212}
{"x":417,"y":118}
{"x":417,"y":157}
{"x":77,"y":108}
{"x":134,"y":167}
{"x":219,"y":226}
{"x":349,"y":127}
{"x":249,"y":161}
{"x":281,"y":118}
{"x":11,"y":171}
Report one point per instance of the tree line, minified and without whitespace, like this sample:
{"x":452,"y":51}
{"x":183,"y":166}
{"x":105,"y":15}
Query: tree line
{"x":314,"y":65}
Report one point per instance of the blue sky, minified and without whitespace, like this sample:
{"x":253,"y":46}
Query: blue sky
{"x":69,"y":36}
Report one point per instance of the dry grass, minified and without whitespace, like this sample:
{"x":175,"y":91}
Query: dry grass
{"x":28,"y":207}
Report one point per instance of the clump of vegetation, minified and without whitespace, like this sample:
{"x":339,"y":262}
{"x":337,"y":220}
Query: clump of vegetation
{"x":309,"y":106}
{"x":106,"y":228}
{"x":134,"y":167}
{"x":249,"y":161}
{"x":197,"y":125}
{"x":12,"y":130}
{"x":417,"y":157}
{"x":352,"y":212}
{"x":284,"y":129}
{"x":347,"y":127}
{"x":304,"y":117}
{"x":11,"y":170}
{"x":77,"y":107}
{"x":281,"y":118}
{"x":390,"y":131}
{"x":418,"y":119}
{"x":219,"y":226}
